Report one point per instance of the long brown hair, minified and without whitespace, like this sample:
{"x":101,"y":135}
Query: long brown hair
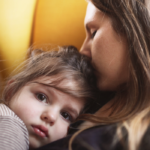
{"x":66,"y":64}
{"x":130,"y":18}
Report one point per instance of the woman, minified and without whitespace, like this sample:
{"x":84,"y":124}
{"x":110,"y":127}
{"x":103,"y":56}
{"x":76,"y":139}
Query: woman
{"x":117,"y":41}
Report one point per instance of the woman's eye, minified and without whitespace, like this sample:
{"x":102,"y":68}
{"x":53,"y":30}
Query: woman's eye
{"x":41,"y":97}
{"x":66,"y":116}
{"x":93,"y":34}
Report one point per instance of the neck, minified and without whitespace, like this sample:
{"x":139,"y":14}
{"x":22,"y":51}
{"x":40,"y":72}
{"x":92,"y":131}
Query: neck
{"x":104,"y":111}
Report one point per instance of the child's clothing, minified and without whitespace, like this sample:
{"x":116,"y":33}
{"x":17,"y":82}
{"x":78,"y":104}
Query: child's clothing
{"x":13,"y":132}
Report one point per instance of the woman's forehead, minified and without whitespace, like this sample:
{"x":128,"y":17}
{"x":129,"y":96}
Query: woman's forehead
{"x":92,"y":14}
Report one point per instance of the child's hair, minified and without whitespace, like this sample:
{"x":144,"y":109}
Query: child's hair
{"x":70,"y":73}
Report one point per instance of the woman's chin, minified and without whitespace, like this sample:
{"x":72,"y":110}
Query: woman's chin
{"x":106,"y":86}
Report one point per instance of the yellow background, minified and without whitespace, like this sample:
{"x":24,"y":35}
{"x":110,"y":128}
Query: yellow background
{"x":40,"y":24}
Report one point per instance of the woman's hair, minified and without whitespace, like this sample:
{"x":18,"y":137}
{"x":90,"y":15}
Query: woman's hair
{"x":69,"y":71}
{"x":130,"y":18}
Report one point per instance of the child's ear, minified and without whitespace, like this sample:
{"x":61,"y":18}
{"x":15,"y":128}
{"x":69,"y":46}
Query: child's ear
{"x":33,"y":53}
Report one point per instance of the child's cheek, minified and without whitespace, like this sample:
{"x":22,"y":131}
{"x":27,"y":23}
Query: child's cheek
{"x":26,"y":107}
{"x":60,"y":131}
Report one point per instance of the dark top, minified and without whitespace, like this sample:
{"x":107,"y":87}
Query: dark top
{"x":97,"y":138}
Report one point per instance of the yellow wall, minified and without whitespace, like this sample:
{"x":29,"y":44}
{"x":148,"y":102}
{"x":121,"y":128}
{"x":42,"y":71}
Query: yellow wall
{"x":16,"y":18}
{"x":40,"y":23}
{"x":59,"y":22}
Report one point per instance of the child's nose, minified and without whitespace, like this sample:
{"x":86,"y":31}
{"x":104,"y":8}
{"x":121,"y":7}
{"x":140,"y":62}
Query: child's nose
{"x":49,"y":116}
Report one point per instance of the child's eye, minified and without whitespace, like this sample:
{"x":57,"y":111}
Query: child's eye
{"x":93,"y":34}
{"x":41,"y":97}
{"x":67,"y":116}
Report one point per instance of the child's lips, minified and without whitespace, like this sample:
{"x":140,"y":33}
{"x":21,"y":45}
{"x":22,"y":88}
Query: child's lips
{"x":40,"y":130}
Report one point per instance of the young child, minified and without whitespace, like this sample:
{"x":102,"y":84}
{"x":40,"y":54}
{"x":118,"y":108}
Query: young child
{"x":48,"y":94}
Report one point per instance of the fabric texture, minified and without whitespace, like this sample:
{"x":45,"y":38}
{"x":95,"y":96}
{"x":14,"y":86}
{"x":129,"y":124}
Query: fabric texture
{"x":13,"y":132}
{"x":98,"y":138}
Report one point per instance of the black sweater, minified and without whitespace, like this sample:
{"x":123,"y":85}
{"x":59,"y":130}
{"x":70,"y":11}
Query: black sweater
{"x":98,"y":138}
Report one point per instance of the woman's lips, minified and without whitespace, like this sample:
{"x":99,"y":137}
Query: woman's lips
{"x":41,"y":131}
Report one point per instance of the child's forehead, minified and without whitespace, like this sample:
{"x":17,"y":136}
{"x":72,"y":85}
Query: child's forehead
{"x":48,"y":80}
{"x":57,"y":80}
{"x":44,"y":79}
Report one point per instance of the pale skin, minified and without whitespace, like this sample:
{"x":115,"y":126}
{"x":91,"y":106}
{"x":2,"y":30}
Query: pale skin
{"x":108,"y":52}
{"x":107,"y":49}
{"x":46,"y":112}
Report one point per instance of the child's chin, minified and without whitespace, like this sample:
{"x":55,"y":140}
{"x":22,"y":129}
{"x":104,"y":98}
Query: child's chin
{"x":34,"y":144}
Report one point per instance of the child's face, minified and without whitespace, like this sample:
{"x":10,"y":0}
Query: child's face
{"x":46,"y":112}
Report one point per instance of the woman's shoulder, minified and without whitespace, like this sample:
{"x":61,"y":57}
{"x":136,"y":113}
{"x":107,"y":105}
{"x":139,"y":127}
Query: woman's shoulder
{"x":99,"y":138}
{"x":106,"y":138}
{"x":145,"y":143}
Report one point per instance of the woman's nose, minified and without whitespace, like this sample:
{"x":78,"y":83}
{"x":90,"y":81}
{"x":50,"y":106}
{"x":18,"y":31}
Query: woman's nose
{"x":49,"y":116}
{"x":85,"y":49}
